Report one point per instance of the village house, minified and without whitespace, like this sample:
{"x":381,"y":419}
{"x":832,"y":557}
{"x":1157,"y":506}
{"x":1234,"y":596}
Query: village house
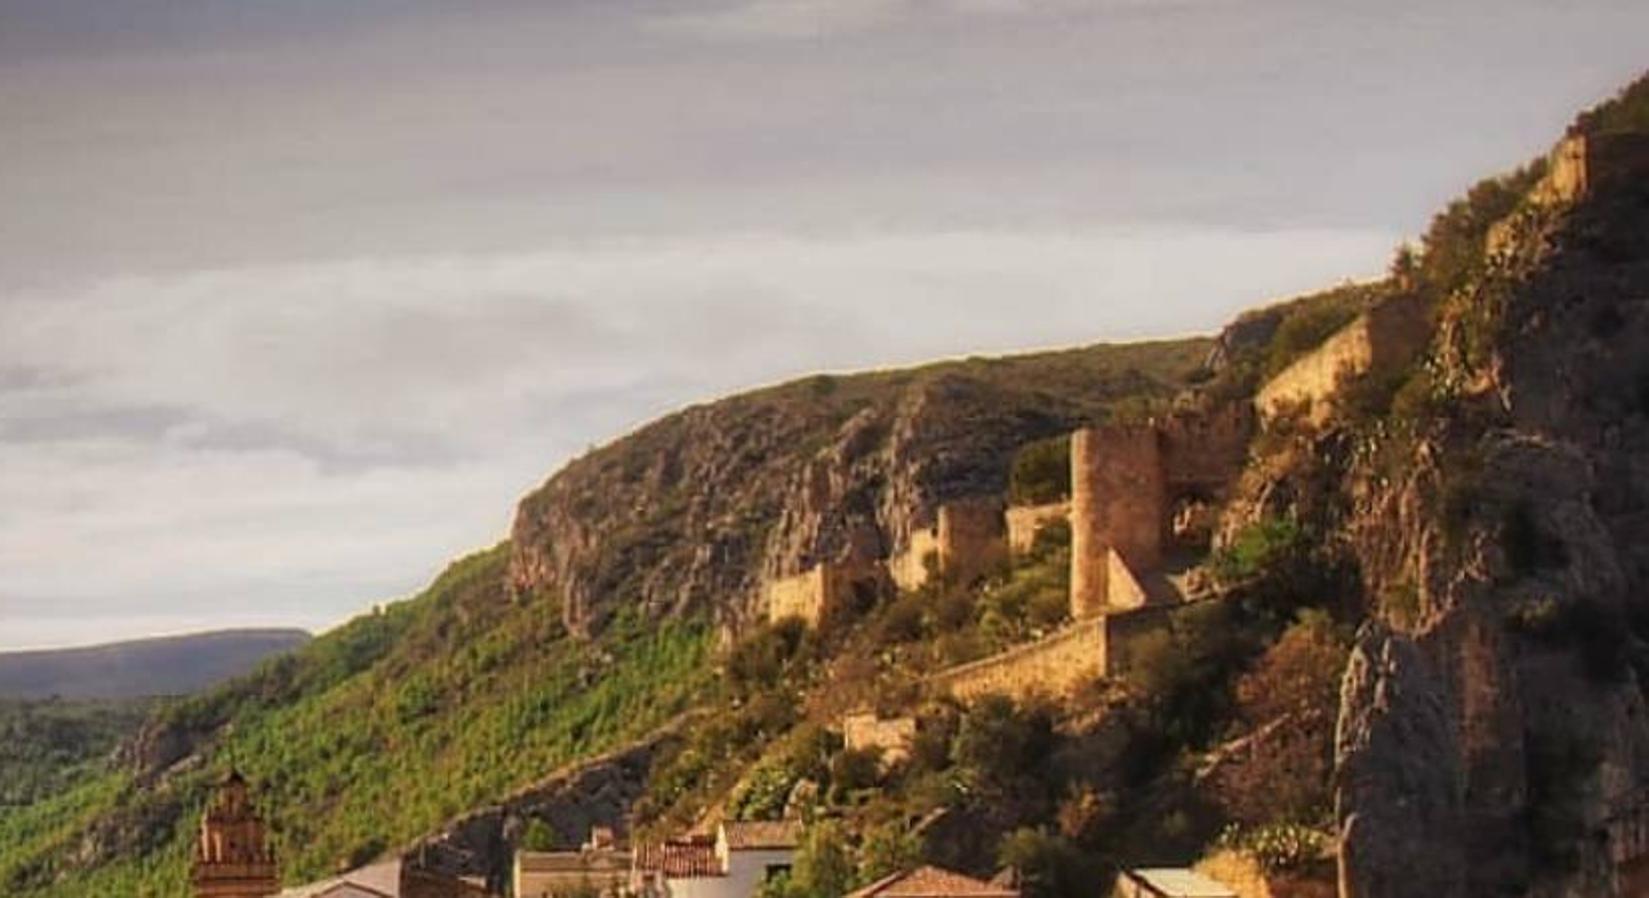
{"x":733,"y":864}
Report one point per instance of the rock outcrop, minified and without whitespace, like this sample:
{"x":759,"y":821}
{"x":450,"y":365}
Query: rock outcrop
{"x":698,"y":509}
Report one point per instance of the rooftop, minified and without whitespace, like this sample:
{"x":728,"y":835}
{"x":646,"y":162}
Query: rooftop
{"x":1178,"y":882}
{"x":750,"y":835}
{"x":692,"y":858}
{"x":932,"y":882}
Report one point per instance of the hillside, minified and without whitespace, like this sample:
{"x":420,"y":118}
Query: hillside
{"x":173,"y":665}
{"x":478,"y":687}
{"x":1412,"y":662}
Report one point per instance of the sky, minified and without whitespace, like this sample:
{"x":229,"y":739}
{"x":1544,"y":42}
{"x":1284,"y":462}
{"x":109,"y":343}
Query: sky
{"x":297,"y":299}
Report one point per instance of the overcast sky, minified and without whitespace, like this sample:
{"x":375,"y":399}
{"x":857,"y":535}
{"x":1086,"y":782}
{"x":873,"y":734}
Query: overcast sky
{"x":297,"y":298}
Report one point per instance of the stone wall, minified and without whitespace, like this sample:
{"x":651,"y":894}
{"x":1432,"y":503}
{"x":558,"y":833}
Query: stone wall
{"x":967,"y":541}
{"x":973,"y":539}
{"x":1387,"y":335}
{"x":1025,"y":521}
{"x":1056,"y":666}
{"x":909,"y":568}
{"x":1205,"y":450}
{"x":1119,"y":503}
{"x":894,"y":736}
{"x":1060,"y":664}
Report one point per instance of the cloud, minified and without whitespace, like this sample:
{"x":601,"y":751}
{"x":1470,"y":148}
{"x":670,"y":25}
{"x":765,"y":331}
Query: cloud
{"x":793,"y":19}
{"x":286,"y":444}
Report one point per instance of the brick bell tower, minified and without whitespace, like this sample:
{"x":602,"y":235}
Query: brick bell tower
{"x":232,"y":857}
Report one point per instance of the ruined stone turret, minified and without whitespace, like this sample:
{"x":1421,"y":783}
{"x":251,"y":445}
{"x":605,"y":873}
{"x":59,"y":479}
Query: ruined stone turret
{"x":1118,"y":503}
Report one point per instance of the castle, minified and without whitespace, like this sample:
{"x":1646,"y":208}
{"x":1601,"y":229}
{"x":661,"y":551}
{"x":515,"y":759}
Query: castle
{"x":1142,"y":496}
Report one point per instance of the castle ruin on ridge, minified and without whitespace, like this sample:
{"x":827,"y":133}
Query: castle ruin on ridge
{"x":1142,"y":495}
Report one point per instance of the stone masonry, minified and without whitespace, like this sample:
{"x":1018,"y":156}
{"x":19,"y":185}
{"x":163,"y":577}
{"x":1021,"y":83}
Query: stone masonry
{"x":1384,"y":337}
{"x":1026,"y":521}
{"x":1118,"y":503}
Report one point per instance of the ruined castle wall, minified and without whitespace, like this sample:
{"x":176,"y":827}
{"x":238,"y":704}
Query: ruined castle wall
{"x":1384,"y":336}
{"x":909,"y":569}
{"x":1056,"y":666}
{"x":1206,"y":451}
{"x":894,"y":736}
{"x":1118,"y":503}
{"x":1024,"y":521}
{"x":973,"y":539}
{"x":1313,"y":378}
{"x":812,"y":595}
{"x":968,"y":541}
{"x":1062,"y":663}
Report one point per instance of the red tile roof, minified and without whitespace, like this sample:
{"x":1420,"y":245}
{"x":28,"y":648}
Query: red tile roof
{"x":932,"y":882}
{"x":747,"y":835}
{"x":692,"y":858}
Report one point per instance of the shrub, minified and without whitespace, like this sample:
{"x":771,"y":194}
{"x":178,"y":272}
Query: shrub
{"x":1048,"y":864}
{"x":1041,"y":472}
{"x":1278,"y":847}
{"x":1257,"y":548}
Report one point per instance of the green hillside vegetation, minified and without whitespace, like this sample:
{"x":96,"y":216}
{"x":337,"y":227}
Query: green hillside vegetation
{"x":47,"y":745}
{"x":375,"y":734}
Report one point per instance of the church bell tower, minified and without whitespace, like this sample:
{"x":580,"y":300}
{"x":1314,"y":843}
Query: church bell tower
{"x":232,"y":857}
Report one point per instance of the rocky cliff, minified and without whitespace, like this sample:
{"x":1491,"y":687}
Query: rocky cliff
{"x":1493,"y":737}
{"x":693,"y":511}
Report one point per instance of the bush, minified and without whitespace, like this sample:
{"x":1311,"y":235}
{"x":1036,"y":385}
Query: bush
{"x":1041,"y":472}
{"x":1048,"y":864}
{"x":1279,"y":847}
{"x":1258,"y":548}
{"x":999,"y":744}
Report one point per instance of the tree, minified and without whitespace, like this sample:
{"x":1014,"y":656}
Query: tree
{"x":1287,"y":705}
{"x":823,"y":869}
{"x":1049,"y":866}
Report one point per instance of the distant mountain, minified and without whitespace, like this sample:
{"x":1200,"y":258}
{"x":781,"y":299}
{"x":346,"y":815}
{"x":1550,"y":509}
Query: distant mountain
{"x":171,"y":665}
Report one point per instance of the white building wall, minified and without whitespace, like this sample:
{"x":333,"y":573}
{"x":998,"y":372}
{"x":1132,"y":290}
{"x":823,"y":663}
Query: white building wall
{"x":747,"y":869}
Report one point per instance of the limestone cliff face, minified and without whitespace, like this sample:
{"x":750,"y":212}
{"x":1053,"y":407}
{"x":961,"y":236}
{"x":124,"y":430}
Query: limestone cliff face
{"x":694,"y":511}
{"x":1493,"y":737}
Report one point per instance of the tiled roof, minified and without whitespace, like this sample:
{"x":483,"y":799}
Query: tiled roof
{"x":932,"y":882}
{"x":746,"y":835}
{"x":680,"y":858}
{"x":1178,"y":882}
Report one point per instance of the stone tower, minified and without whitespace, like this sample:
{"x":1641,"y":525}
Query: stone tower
{"x":232,"y":857}
{"x":1118,"y":501}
